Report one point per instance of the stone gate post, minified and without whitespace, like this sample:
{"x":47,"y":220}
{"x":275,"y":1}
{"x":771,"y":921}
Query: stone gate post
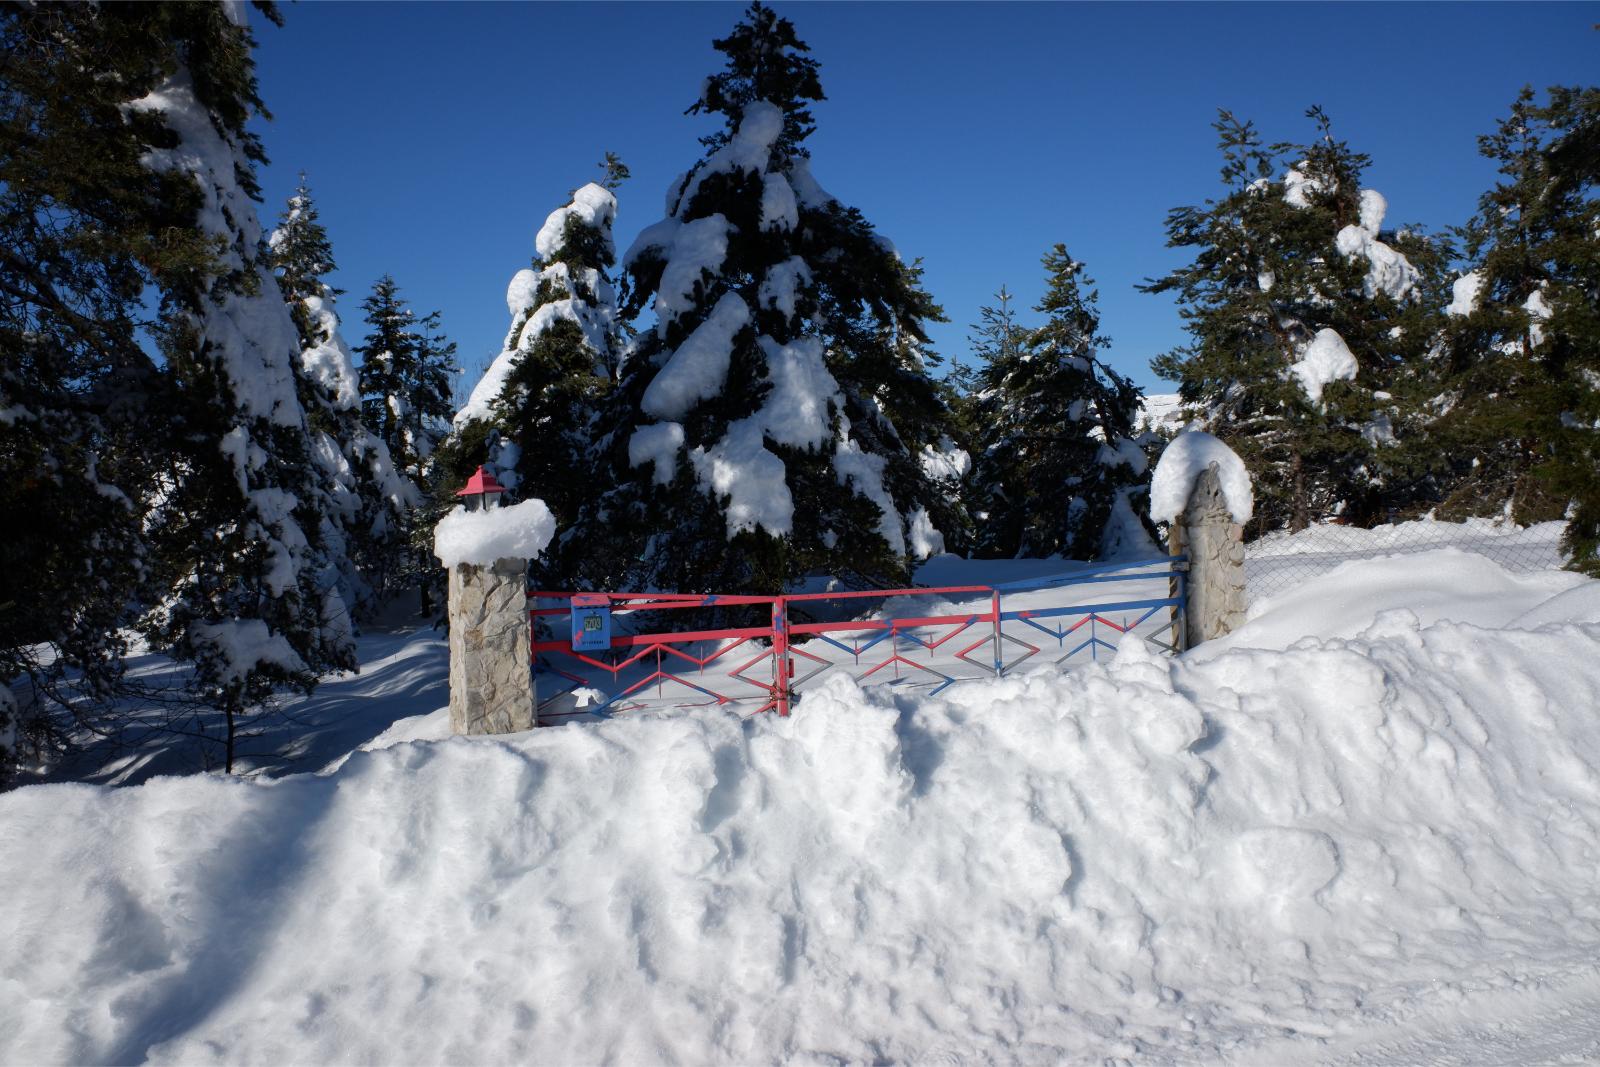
{"x":491,"y":670}
{"x":1206,"y":530}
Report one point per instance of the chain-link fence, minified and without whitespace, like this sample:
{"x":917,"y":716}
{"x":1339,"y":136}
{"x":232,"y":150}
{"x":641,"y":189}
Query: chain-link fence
{"x":1281,"y":561}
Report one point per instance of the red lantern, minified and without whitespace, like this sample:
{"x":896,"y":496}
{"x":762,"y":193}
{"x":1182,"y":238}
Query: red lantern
{"x":482,"y":492}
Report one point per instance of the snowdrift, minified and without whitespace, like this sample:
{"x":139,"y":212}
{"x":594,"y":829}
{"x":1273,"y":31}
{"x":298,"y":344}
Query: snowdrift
{"x":1145,"y":858}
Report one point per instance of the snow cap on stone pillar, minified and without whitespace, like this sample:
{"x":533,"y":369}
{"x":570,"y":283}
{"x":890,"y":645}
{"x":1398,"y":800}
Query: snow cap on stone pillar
{"x":1185,"y":458}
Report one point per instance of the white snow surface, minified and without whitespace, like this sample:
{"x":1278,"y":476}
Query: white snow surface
{"x":749,"y":149}
{"x":1538,"y":312}
{"x":926,"y":540}
{"x":697,"y":249}
{"x":1183,"y":461}
{"x":330,"y":363}
{"x":779,"y":211}
{"x":780,"y":287}
{"x":742,"y":468}
{"x":520,"y":531}
{"x":1464,"y":293}
{"x":520,"y":293}
{"x":1297,"y":185}
{"x":863,"y":472}
{"x":806,"y":189}
{"x":593,"y":205}
{"x":1373,"y":208}
{"x":236,"y":648}
{"x":1346,"y":600}
{"x":1323,"y":359}
{"x":698,"y":368}
{"x":251,"y":334}
{"x":946,"y":462}
{"x":1343,"y":845}
{"x":594,"y":321}
{"x":797,"y":410}
{"x":1161,"y":411}
{"x":657,"y":444}
{"x":1388,"y":271}
{"x":1122,"y":453}
{"x":570,"y":309}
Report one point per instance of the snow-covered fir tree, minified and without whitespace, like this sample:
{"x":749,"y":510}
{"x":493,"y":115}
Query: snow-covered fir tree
{"x":406,"y":369}
{"x":405,"y":378}
{"x":530,"y":417}
{"x":1521,"y":408}
{"x":997,"y":337}
{"x":365,"y":501}
{"x":251,"y":594}
{"x":1058,"y":466}
{"x":84,"y":409}
{"x":772,"y":421}
{"x":1301,"y":307}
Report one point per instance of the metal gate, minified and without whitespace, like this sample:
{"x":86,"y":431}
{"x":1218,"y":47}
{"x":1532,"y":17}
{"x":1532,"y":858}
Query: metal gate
{"x":604,"y":654}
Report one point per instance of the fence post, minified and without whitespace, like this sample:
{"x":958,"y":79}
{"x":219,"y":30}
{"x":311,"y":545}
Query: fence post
{"x":780,"y":654}
{"x":1177,"y":586}
{"x":491,"y":649}
{"x":1215,"y":599}
{"x":999,"y":655}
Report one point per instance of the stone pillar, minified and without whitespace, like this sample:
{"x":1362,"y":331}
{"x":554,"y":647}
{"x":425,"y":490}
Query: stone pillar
{"x":491,"y":668}
{"x":1215,"y":545}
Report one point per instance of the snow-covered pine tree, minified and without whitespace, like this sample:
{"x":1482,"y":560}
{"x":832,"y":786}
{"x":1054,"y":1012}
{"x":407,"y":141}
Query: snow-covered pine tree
{"x":84,"y":228}
{"x":997,"y":337}
{"x":251,"y":595}
{"x":1521,"y":412}
{"x":1573,"y":115}
{"x":405,"y":379}
{"x":1057,"y":426}
{"x":539,"y":398}
{"x":762,"y":430}
{"x":365,"y":501}
{"x":1300,"y":307}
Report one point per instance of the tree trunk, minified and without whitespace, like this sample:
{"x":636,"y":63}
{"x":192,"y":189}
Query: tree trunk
{"x":1299,"y":509}
{"x":426,"y":600}
{"x":233,"y":728}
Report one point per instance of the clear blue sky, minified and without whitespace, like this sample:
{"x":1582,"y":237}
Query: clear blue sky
{"x":437,"y":137}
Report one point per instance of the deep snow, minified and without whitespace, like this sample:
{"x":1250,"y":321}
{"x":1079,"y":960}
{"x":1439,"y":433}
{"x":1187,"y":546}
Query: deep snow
{"x":1284,"y":846}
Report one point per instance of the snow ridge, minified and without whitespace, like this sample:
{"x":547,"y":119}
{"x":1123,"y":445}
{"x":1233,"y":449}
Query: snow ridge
{"x":1174,"y":859}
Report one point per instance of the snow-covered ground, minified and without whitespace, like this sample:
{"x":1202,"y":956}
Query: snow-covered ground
{"x":1161,"y":411}
{"x":403,"y":674}
{"x":1363,"y":829}
{"x":1280,"y":561}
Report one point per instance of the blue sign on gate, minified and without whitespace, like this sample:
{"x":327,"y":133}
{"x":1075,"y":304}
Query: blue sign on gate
{"x":591,"y":622}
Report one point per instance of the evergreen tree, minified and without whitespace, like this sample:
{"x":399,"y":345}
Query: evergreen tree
{"x":406,"y":370}
{"x":1057,"y":459}
{"x":249,"y":591}
{"x":530,"y":418}
{"x":127,"y":167}
{"x":302,"y":257}
{"x":1522,"y":401}
{"x":364,"y":501}
{"x":85,"y":227}
{"x":997,"y":338}
{"x":1301,"y":307}
{"x":615,"y":171}
{"x":771,"y":409}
